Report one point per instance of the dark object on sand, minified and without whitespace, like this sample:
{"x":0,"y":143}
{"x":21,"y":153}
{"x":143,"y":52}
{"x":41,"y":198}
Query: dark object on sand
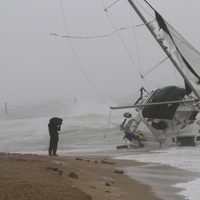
{"x":73,"y":175}
{"x":122,"y":147}
{"x":119,"y":172}
{"x":107,"y":162}
{"x":52,"y":168}
{"x":55,"y":169}
{"x":79,"y":159}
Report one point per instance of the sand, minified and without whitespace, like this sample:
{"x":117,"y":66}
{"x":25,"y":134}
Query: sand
{"x":33,"y":177}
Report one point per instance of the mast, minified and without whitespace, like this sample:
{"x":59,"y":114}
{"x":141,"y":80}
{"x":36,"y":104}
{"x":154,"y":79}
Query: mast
{"x":164,"y":49}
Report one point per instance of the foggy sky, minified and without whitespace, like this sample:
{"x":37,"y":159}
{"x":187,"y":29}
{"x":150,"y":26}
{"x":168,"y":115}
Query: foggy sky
{"x":36,"y":66}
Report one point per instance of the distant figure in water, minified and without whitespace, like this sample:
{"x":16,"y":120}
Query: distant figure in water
{"x":54,"y":128}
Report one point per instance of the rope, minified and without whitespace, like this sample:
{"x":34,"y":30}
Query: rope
{"x":138,"y":55}
{"x":106,"y":9}
{"x":136,"y":45}
{"x":138,"y":69}
{"x":77,"y":59}
{"x":143,"y":75}
{"x":121,"y":40}
{"x":175,"y":75}
{"x":90,"y":37}
{"x":108,"y":125}
{"x":157,"y":65}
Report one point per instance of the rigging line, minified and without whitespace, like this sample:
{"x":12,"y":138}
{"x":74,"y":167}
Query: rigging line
{"x":123,"y":43}
{"x":138,"y":53}
{"x":103,"y":4}
{"x":136,"y":43}
{"x":162,"y":61}
{"x":77,"y":59}
{"x":118,"y":19}
{"x":108,"y":125}
{"x":126,"y":49}
{"x":146,"y":84}
{"x":106,"y":9}
{"x":90,"y":37}
{"x":175,"y":75}
{"x":149,"y":5}
{"x":129,"y":54}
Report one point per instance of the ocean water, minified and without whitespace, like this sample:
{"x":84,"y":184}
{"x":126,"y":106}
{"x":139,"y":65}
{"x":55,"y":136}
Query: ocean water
{"x":186,"y":158}
{"x":89,"y":130}
{"x":25,"y":129}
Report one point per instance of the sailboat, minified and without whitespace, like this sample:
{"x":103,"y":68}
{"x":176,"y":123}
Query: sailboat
{"x":170,"y":113}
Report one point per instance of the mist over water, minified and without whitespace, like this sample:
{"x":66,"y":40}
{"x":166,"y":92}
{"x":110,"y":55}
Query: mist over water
{"x":85,"y":128}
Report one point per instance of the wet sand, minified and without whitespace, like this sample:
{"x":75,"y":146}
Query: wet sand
{"x":162,"y":179}
{"x":36,"y":177}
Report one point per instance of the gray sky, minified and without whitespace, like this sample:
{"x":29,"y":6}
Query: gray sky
{"x":36,"y":66}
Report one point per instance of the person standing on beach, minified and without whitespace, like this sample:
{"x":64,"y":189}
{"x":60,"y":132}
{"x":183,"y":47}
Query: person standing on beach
{"x":54,"y":128}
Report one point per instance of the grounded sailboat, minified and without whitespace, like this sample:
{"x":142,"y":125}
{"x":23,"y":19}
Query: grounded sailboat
{"x":170,"y":114}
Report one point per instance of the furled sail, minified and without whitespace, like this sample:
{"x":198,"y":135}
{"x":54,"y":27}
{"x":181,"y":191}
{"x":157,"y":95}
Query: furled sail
{"x":184,"y":53}
{"x":165,"y":111}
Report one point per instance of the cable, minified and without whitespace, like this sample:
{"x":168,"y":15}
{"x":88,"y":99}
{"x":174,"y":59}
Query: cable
{"x":120,"y":38}
{"x":157,"y":65}
{"x":106,"y":9}
{"x":108,"y":125}
{"x":77,"y":59}
{"x":136,"y":45}
{"x":126,"y":49}
{"x":90,"y":37}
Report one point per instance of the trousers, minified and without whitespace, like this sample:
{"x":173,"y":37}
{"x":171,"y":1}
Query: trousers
{"x":53,"y":145}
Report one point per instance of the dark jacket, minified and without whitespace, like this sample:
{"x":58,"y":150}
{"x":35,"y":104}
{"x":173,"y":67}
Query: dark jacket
{"x":53,"y":130}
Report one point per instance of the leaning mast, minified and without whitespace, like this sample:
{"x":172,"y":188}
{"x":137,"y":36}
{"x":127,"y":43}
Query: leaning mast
{"x":146,"y":23}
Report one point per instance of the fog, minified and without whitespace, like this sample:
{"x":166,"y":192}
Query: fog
{"x":37,"y":66}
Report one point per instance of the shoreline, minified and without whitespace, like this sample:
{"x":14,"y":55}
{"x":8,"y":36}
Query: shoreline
{"x":87,"y":177}
{"x":29,"y":176}
{"x":162,"y":179}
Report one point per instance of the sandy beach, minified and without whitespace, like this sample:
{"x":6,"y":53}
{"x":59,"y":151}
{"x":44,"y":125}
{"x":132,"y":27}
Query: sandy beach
{"x":34,"y":177}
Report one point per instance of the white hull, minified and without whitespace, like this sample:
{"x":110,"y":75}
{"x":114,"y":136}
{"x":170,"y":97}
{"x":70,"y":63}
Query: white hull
{"x":181,"y":129}
{"x":169,"y":139}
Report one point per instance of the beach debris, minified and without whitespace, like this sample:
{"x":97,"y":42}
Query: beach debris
{"x":79,"y":159}
{"x":96,"y":161}
{"x":108,"y":181}
{"x":55,"y":169}
{"x":122,"y":147}
{"x":87,"y":160}
{"x":73,"y":175}
{"x":60,"y":172}
{"x":107,"y":162}
{"x":107,"y":184}
{"x":119,"y":171}
{"x":52,"y":168}
{"x":93,"y":187}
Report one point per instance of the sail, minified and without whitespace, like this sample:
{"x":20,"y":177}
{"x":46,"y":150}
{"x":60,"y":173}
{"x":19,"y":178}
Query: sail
{"x":187,"y":57}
